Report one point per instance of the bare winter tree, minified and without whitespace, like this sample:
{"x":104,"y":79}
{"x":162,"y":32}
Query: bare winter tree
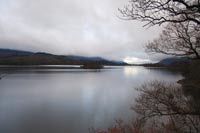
{"x":179,"y":39}
{"x":165,"y":105}
{"x":160,"y":11}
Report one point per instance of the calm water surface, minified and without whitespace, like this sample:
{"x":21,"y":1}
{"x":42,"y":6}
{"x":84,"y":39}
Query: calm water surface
{"x":71,"y":101}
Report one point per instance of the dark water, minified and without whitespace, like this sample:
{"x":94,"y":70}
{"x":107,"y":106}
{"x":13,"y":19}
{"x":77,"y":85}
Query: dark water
{"x":71,"y":101}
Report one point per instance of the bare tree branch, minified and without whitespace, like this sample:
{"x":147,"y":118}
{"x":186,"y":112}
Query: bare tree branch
{"x":160,"y":102}
{"x":179,"y":39}
{"x":157,"y":12}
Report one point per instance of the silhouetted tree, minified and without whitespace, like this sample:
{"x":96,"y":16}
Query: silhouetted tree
{"x":179,"y":39}
{"x":165,"y":105}
{"x":157,"y":12}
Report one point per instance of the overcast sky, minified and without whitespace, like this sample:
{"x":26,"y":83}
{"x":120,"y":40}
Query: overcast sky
{"x":74,"y":27}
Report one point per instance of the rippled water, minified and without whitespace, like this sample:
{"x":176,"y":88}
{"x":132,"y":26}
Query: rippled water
{"x":71,"y":100}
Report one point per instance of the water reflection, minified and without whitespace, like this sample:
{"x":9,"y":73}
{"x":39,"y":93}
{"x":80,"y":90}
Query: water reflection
{"x":60,"y":102}
{"x":131,"y":70}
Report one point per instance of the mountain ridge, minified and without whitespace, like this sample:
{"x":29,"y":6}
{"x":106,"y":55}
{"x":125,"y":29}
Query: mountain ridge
{"x":20,"y":57}
{"x":171,"y":60}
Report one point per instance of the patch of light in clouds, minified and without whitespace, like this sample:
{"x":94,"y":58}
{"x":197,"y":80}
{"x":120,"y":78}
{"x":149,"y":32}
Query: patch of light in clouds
{"x":134,"y":60}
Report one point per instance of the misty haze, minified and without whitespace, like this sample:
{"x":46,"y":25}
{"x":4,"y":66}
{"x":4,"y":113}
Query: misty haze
{"x":109,"y":66}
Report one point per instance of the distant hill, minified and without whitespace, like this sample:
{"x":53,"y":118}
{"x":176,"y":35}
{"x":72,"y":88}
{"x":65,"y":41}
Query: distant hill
{"x":83,"y":58}
{"x":17,"y":57}
{"x":168,"y":61}
{"x":173,"y":61}
{"x":10,"y":52}
{"x":75,"y":57}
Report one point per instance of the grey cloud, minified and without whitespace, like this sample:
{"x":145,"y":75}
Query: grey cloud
{"x":89,"y":27}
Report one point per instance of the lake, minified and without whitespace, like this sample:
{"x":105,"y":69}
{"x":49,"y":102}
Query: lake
{"x":71,"y":100}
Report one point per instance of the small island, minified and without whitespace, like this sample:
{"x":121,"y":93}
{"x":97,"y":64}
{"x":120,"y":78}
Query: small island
{"x":92,"y":65}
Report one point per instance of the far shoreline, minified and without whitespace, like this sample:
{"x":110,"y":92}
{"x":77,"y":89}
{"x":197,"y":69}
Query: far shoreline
{"x":55,"y":67}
